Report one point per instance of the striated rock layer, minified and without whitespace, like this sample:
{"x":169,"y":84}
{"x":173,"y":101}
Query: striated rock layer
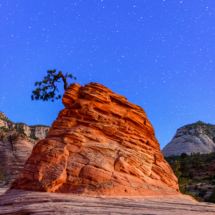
{"x":100,"y":144}
{"x":16,"y":143}
{"x":15,"y":149}
{"x":20,"y":202}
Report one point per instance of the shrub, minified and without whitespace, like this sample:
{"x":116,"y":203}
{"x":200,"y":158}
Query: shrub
{"x":191,"y":174}
{"x":21,"y":131}
{"x":32,"y":136}
{"x":197,"y":179}
{"x":39,"y":125}
{"x":175,"y":168}
{"x":2,"y":137}
{"x":202,"y":193}
{"x":4,"y":118}
{"x":182,"y":180}
{"x":213,"y":181}
{"x":4,"y":129}
{"x":211,"y":198}
{"x":1,"y":174}
{"x":183,"y":155}
{"x":185,"y":191}
{"x":207,"y":177}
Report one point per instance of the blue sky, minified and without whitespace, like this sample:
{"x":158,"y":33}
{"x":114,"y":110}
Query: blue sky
{"x":159,"y":54}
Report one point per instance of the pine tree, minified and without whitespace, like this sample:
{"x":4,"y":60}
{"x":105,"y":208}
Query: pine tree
{"x":47,"y":88}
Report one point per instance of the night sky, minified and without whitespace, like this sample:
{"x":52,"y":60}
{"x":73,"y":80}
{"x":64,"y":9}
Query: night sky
{"x":160,"y":54}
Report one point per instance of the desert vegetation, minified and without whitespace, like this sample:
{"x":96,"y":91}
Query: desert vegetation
{"x":47,"y":88}
{"x":196,"y":174}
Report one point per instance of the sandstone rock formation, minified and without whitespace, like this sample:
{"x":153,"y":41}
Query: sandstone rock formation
{"x":100,"y":144}
{"x":15,"y":149}
{"x":42,"y":203}
{"x":35,"y":131}
{"x":16,"y":143}
{"x":193,"y":138}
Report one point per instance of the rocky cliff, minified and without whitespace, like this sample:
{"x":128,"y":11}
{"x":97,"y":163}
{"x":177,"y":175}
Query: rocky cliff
{"x":100,"y":144}
{"x":15,"y":148}
{"x":192,"y":138}
{"x":16,"y":143}
{"x":36,"y":132}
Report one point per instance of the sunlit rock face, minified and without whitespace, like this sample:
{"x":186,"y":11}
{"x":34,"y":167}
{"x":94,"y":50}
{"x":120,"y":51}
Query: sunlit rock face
{"x":100,"y":144}
{"x":37,"y":132}
{"x":198,"y":137}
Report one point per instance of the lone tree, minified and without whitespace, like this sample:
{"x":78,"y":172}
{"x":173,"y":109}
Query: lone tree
{"x":47,"y":88}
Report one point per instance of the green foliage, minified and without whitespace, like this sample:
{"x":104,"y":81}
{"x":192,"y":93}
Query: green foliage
{"x":191,"y":174}
{"x":175,"y":168}
{"x":199,"y":123}
{"x":195,"y":162}
{"x":184,"y":167}
{"x":39,"y":125}
{"x":207,"y":177}
{"x":21,"y":131}
{"x":183,"y":155}
{"x":185,"y":191}
{"x":213,"y":181}
{"x":183,"y":180}
{"x":202,"y":193}
{"x":32,"y":136}
{"x":4,"y":118}
{"x":2,"y":137}
{"x":4,"y":129}
{"x":20,"y":123}
{"x":211,"y":198}
{"x":197,"y":179}
{"x":46,"y":89}
{"x":1,"y":173}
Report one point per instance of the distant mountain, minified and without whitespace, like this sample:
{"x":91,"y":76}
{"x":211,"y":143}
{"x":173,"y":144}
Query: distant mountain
{"x":16,"y":143}
{"x":36,"y":132}
{"x":192,"y":138}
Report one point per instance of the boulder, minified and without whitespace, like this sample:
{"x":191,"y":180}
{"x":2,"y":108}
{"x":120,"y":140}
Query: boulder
{"x":100,"y":144}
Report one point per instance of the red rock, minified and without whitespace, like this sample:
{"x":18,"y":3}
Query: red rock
{"x":100,"y":144}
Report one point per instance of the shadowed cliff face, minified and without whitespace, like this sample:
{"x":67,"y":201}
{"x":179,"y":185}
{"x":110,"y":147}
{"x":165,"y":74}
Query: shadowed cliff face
{"x":15,"y":148}
{"x":16,"y":143}
{"x":100,"y":144}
